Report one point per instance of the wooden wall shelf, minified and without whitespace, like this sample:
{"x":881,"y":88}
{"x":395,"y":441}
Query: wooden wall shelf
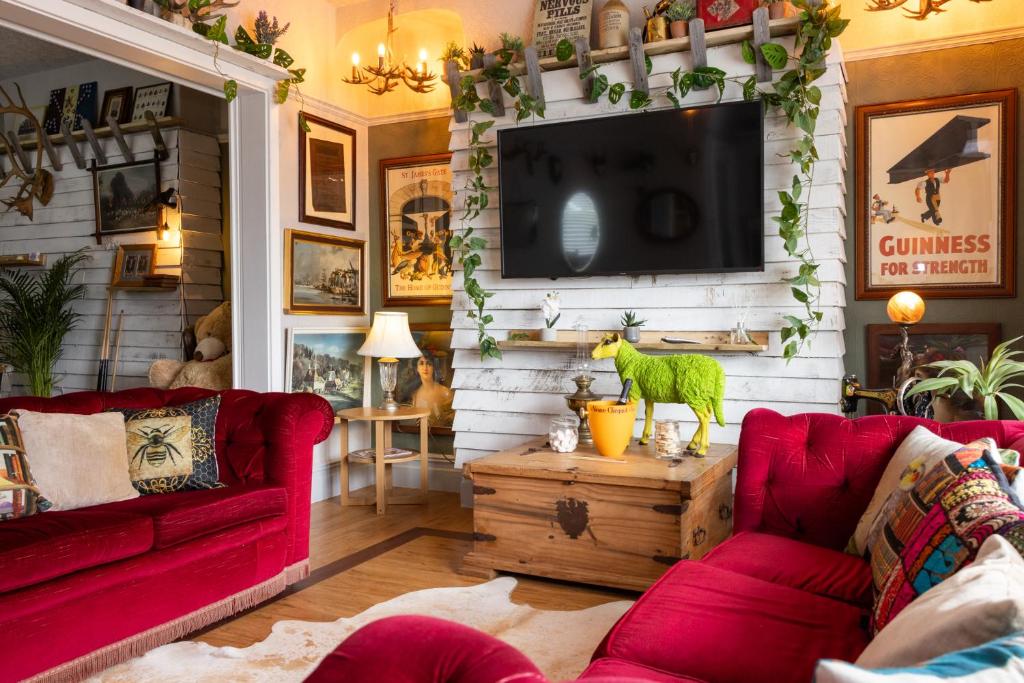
{"x":727,"y":36}
{"x":23,"y":261}
{"x":649,"y":341}
{"x":56,"y":139}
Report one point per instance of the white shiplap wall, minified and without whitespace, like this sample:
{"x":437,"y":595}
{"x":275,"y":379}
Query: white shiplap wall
{"x":152,"y":322}
{"x":501,"y":403}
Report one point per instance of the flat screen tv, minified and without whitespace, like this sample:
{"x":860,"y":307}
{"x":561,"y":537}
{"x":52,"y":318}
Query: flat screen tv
{"x":678,"y":191}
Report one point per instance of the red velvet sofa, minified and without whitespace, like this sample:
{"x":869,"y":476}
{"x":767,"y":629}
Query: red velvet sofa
{"x":84,"y":589}
{"x":762,"y":607}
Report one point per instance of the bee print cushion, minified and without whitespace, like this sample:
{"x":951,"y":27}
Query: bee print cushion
{"x":172,"y":448}
{"x":76,"y":460}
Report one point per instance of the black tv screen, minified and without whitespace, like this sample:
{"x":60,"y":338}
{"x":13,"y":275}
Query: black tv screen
{"x":678,"y":191}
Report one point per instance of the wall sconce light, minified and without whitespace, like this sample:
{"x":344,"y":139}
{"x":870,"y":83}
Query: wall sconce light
{"x":168,"y":199}
{"x":905,"y":309}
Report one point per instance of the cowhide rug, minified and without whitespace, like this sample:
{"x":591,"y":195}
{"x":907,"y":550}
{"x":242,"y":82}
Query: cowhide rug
{"x":559,"y":643}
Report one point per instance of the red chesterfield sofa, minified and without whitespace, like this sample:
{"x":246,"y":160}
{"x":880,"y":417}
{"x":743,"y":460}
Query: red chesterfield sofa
{"x":762,"y":607}
{"x":84,"y":589}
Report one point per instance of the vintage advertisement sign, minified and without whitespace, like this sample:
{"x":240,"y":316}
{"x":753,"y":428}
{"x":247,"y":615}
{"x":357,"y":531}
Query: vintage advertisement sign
{"x":935,"y":208}
{"x":557,"y":19}
{"x":416,"y":215}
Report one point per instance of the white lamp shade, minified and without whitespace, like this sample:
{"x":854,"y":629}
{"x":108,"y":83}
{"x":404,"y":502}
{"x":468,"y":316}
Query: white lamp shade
{"x":390,"y":337}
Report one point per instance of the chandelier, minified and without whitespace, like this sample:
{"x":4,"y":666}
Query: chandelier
{"x":386,"y":75}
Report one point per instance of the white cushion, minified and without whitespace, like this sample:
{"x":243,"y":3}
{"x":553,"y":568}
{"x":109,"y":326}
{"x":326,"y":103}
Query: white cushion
{"x":981,"y":602}
{"x":77,"y":460}
{"x":919,"y":451}
{"x":998,"y":661}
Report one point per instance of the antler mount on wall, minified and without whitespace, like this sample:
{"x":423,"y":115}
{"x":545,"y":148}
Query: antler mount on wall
{"x":924,"y":7}
{"x":36,"y":182}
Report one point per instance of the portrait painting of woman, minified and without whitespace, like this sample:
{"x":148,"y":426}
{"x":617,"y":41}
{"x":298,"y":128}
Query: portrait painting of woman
{"x":426,"y":381}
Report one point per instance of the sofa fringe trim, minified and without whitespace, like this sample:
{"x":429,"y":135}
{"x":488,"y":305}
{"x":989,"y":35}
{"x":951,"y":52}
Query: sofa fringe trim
{"x":140,"y":643}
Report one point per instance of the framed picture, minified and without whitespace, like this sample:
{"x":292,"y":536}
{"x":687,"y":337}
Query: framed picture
{"x":935,"y":197}
{"x":416,"y":215}
{"x":327,"y":174}
{"x":54,"y":111}
{"x":154,"y":98}
{"x":725,"y":13}
{"x":929,"y":342}
{"x":323,"y":274}
{"x":553,"y":21}
{"x":427,"y":381}
{"x":324,"y":362}
{"x":116,"y":103}
{"x":126,"y":197}
{"x":133,"y":264}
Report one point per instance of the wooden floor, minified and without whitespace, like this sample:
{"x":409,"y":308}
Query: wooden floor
{"x":359,"y":559}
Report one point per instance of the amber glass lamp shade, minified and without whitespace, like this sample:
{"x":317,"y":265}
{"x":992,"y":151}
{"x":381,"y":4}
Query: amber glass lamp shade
{"x":905,"y":308}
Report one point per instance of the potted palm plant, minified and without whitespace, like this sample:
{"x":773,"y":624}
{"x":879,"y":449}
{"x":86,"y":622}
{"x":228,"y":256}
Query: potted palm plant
{"x":986,"y":385}
{"x":631,"y":325}
{"x":35,"y":315}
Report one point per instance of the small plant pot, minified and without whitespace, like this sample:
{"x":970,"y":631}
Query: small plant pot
{"x":781,"y":10}
{"x":631,"y":334}
{"x":679,"y":29}
{"x":476,"y":62}
{"x":137,"y":4}
{"x":611,"y":425}
{"x":548,"y":334}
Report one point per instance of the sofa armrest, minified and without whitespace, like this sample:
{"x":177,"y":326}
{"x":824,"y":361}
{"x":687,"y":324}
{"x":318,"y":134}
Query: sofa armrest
{"x":269,"y":438}
{"x":414,"y":649}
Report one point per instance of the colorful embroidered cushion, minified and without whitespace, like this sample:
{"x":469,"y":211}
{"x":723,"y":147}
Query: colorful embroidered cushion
{"x":938,"y":526}
{"x":19,"y":495}
{"x":998,"y":661}
{"x":915,"y":455}
{"x":172,"y":448}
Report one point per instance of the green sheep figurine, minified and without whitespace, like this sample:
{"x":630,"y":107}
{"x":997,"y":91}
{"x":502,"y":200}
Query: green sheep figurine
{"x":698,"y":381}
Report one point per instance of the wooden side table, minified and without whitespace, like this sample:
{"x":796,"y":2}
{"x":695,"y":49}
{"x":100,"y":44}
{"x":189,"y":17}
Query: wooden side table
{"x":381,"y":421}
{"x":581,"y":517}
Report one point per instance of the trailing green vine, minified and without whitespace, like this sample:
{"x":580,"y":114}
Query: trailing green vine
{"x":244,"y":42}
{"x":794,"y":94}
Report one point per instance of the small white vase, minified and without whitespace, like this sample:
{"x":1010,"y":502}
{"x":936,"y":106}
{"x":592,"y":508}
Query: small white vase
{"x":548,"y":334}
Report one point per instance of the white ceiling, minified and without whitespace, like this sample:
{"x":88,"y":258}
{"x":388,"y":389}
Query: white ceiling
{"x":21,"y":55}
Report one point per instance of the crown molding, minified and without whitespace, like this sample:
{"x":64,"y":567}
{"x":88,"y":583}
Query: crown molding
{"x":918,"y":46}
{"x":332,"y":110}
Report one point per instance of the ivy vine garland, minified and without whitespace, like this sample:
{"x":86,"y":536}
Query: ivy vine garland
{"x":794,"y":94}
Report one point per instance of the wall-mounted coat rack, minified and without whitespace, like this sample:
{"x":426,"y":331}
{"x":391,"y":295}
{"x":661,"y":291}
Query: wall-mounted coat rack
{"x":92,"y":136}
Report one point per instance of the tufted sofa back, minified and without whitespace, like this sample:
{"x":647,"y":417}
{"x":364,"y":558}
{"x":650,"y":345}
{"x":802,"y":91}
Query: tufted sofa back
{"x":811,"y":476}
{"x":244,"y":426}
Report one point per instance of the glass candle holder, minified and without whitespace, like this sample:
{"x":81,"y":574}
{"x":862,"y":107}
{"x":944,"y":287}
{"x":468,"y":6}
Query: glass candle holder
{"x":564,"y":435}
{"x":668,"y":442}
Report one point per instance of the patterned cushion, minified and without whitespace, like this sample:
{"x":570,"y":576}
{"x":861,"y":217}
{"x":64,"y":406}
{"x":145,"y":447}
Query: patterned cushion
{"x":938,"y":526}
{"x":172,"y":448}
{"x":19,"y":495}
{"x":998,"y":661}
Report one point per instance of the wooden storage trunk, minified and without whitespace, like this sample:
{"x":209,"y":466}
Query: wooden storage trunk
{"x":580,"y":517}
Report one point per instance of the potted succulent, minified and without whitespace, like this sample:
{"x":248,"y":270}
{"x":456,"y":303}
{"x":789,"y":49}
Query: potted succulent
{"x":986,"y":385}
{"x":780,"y":9}
{"x":679,"y":14}
{"x":551,"y":307}
{"x":476,"y":57}
{"x":631,"y":326}
{"x":35,"y":315}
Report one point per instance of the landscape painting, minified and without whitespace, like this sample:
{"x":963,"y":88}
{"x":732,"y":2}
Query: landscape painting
{"x":324,"y":362}
{"x":324,"y":274}
{"x":126,"y":197}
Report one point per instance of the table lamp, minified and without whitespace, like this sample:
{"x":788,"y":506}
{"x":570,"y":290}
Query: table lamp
{"x":389,"y":340}
{"x":905,"y":309}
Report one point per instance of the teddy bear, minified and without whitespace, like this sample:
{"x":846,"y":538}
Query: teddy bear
{"x":210,"y":367}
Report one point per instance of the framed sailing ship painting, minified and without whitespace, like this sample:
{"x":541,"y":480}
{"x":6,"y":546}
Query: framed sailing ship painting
{"x":323,"y":274}
{"x":935,"y":196}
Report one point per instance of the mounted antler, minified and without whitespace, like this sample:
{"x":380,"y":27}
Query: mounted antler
{"x":925,"y":8}
{"x":196,"y":12}
{"x":37,"y":184}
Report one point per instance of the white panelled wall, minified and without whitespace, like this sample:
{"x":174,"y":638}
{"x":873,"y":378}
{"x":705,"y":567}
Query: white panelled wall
{"x":501,"y":403}
{"x":153,"y":320}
